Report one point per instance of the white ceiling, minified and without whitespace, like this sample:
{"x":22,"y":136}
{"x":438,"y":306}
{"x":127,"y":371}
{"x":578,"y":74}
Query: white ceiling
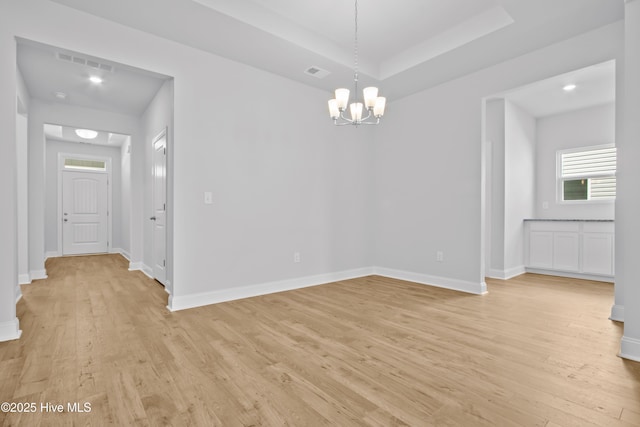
{"x":55,"y":132}
{"x":404,"y":45}
{"x":595,"y":85}
{"x":125,"y":89}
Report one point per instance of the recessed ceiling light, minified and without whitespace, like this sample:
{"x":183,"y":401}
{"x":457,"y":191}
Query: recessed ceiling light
{"x":95,"y":80}
{"x":569,"y":88}
{"x":86,"y":133}
{"x":60,"y":95}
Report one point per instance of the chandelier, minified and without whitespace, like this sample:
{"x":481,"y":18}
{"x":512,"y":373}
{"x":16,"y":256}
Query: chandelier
{"x":373,"y":103}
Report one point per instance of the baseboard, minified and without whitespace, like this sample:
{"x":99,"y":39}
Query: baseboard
{"x":617,"y":313}
{"x":182,"y":302}
{"x":141,"y":266}
{"x":10,"y":330}
{"x":440,"y":282}
{"x":51,"y":254}
{"x":24,"y":279}
{"x":630,"y":349}
{"x":593,"y":277}
{"x":507,"y":274}
{"x":38,"y":274}
{"x":121,"y":252}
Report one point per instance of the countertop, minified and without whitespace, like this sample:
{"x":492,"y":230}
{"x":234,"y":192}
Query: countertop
{"x":569,"y":220}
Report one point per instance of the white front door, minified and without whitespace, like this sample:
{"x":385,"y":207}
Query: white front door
{"x":159,"y":217}
{"x":84,"y":213}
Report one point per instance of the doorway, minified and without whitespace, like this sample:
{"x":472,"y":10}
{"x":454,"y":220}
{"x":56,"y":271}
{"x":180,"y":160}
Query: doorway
{"x":159,"y":217}
{"x":85,"y":210}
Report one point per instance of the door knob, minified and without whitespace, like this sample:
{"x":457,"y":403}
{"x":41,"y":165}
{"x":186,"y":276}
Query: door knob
{"x":65,"y":220}
{"x":153,"y":218}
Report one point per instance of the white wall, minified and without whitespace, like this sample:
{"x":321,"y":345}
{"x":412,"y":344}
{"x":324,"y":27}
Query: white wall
{"x":53,"y":149}
{"x":495,"y":187}
{"x":581,"y":128}
{"x":428,"y":162}
{"x":22,"y":162}
{"x":627,"y":200}
{"x":510,"y":133}
{"x":520,"y":143}
{"x":9,"y":323}
{"x":157,"y":116}
{"x":125,"y":202}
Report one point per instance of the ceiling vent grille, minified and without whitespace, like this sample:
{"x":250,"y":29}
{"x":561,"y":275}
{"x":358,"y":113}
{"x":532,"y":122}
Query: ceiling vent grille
{"x":84,"y":61}
{"x":317,"y":72}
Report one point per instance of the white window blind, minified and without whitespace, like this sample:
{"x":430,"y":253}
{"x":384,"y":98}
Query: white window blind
{"x":595,"y":168}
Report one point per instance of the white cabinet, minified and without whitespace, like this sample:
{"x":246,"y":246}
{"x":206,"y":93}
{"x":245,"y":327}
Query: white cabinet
{"x":541,"y":249}
{"x":597,"y":249}
{"x":566,"y":251}
{"x":576,"y":247}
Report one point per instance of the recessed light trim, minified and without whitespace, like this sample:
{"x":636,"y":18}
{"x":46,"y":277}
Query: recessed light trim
{"x":570,"y":87}
{"x":96,"y":80}
{"x":86,"y":133}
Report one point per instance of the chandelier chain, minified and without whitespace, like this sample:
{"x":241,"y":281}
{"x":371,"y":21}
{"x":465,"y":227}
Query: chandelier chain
{"x":355,"y":48}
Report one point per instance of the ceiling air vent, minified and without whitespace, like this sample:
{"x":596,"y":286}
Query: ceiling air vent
{"x":317,"y":72}
{"x":84,"y":61}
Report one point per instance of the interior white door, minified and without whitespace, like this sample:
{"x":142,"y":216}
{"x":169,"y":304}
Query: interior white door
{"x":159,"y":217}
{"x":84,"y":213}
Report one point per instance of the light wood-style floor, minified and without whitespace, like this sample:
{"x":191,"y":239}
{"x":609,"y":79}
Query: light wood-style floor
{"x":535,"y":351}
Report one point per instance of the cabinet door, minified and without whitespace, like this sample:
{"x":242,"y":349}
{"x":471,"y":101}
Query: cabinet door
{"x":566,"y":251}
{"x":597,"y":253}
{"x":541,"y":249}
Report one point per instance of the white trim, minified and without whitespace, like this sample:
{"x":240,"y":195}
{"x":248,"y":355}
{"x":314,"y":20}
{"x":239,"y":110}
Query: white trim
{"x":121,"y":252}
{"x":182,"y":302}
{"x":24,"y":279}
{"x":38,"y":274}
{"x":506,"y":274}
{"x":10,"y":330}
{"x":141,"y":266}
{"x":439,"y":282}
{"x":617,"y":312}
{"x":630,"y":348}
{"x":584,"y":276}
{"x":51,"y":254}
{"x":18,"y":293}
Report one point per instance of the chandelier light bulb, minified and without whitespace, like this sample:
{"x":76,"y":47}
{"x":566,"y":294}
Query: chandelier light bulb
{"x":370,"y":95}
{"x":378,"y":108}
{"x":342,"y":98}
{"x":334,"y":111}
{"x":356,"y":111}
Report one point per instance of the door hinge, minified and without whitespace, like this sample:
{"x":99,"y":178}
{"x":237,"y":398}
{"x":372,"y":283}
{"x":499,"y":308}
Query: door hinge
{"x":164,"y":206}
{"x":164,"y":262}
{"x":164,"y":151}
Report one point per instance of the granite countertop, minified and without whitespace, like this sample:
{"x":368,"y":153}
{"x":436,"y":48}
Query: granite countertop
{"x":570,"y":220}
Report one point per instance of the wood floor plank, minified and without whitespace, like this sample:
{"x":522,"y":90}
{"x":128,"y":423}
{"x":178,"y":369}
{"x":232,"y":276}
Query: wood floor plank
{"x":535,"y":351}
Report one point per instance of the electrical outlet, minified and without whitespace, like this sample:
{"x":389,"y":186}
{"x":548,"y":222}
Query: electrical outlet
{"x":439,"y":256}
{"x":296,"y":257}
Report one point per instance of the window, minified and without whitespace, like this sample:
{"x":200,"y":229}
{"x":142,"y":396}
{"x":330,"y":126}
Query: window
{"x":86,"y":164}
{"x":587,"y":174}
